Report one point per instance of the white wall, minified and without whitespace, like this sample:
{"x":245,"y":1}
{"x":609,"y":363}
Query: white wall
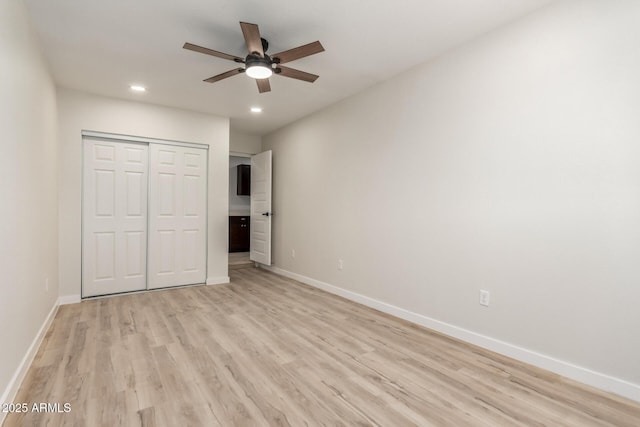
{"x":510,"y":164}
{"x":80,"y":111}
{"x":244,"y":143}
{"x":28,"y":185}
{"x":238,"y":205}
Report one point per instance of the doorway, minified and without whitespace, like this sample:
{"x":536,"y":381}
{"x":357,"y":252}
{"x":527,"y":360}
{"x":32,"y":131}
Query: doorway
{"x":250,"y":212}
{"x":239,"y":212}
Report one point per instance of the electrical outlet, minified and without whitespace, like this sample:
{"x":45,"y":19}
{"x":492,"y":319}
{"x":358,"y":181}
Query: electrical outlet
{"x":340,"y":264}
{"x":293,"y":253}
{"x":484,"y":297}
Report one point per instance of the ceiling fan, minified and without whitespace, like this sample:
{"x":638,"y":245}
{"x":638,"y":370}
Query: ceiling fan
{"x":259,"y":65}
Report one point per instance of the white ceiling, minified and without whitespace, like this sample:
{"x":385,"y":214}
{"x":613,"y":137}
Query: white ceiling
{"x":103,"y":46}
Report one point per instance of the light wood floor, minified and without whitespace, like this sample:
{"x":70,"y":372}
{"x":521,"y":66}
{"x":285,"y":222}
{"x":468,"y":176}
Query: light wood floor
{"x":268,"y":351}
{"x":239,"y":260}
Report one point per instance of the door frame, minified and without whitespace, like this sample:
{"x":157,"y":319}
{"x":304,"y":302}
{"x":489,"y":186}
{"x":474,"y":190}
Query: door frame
{"x":115,"y":137}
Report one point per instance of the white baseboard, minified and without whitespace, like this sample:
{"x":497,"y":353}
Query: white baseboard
{"x":222,"y":280}
{"x":68,"y":299}
{"x":566,"y":369}
{"x":16,"y":381}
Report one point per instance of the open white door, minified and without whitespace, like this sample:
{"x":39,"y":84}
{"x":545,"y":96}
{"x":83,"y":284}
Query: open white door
{"x":261,"y":208}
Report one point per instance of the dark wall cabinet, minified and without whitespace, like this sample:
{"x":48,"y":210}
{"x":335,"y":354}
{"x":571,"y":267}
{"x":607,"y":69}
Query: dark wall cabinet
{"x":239,"y":234}
{"x":244,"y":180}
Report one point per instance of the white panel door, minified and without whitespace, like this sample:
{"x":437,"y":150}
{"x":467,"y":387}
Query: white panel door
{"x":260,"y":241}
{"x":177,"y":216}
{"x":114,"y":217}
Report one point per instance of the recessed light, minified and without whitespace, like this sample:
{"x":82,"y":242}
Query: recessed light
{"x":138,"y":88}
{"x":256,"y":110}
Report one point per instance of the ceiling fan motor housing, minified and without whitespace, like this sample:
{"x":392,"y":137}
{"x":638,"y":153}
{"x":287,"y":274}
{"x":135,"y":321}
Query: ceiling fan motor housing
{"x":256,"y":60}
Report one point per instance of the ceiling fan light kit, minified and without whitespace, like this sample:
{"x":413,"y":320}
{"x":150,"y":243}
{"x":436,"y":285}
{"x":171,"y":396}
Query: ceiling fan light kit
{"x":259,"y":65}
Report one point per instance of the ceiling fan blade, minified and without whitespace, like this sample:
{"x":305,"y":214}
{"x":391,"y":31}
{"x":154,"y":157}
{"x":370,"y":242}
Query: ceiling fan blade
{"x":263,"y":85}
{"x":251,"y":35}
{"x":299,"y":52}
{"x":297,"y":74}
{"x":229,"y":73}
{"x":211,"y":52}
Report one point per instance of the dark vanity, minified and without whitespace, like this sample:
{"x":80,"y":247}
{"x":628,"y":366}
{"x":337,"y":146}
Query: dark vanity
{"x":239,"y":233}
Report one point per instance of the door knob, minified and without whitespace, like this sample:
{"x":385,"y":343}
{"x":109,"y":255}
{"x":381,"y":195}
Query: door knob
{"x":266,"y":213}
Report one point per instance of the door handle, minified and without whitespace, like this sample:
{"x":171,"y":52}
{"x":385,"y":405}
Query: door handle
{"x":267,"y":213}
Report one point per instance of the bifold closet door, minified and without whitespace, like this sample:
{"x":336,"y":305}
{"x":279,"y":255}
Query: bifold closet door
{"x":114,"y":223}
{"x":177,"y":216}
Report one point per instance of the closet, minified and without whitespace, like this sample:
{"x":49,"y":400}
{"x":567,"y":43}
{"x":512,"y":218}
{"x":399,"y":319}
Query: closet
{"x":144,"y":215}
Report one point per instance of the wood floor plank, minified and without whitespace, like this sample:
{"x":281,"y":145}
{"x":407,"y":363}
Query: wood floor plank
{"x":268,"y":351}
